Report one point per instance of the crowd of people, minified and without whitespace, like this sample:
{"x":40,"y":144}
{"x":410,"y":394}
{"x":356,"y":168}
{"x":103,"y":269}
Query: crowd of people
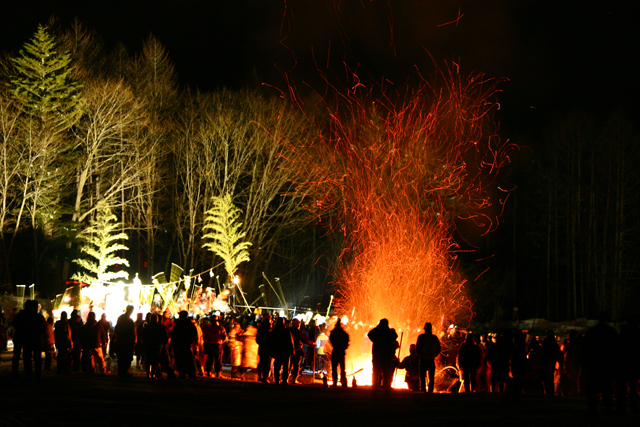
{"x":276,"y":349}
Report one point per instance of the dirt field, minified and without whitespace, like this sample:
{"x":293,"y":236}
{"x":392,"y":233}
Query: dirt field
{"x":105,"y":400}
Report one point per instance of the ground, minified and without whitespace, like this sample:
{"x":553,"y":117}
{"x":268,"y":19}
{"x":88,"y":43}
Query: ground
{"x":105,"y":400}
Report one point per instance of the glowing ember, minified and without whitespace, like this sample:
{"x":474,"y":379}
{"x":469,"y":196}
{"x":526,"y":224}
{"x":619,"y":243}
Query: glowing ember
{"x":394,"y":175}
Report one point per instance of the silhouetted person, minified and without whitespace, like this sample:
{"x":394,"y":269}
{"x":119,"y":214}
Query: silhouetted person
{"x":519,"y":368}
{"x":411,"y":365}
{"x":599,"y":355}
{"x":428,"y":347}
{"x":281,"y":350}
{"x":154,"y":336}
{"x":263,"y":338}
{"x":125,"y":340}
{"x":235,"y":350}
{"x":139,"y":349}
{"x":498,"y":358}
{"x":183,"y":336}
{"x":214,"y":335}
{"x":469,"y":362}
{"x":249,"y":349}
{"x":383,"y":354}
{"x":300,"y":339}
{"x":339,"y":339}
{"x":75,"y":323}
{"x":572,"y":365}
{"x":106,"y":325}
{"x":628,"y":366}
{"x":31,"y":327}
{"x":49,"y":346}
{"x":93,"y":337}
{"x":550,"y":356}
{"x":534,"y":363}
{"x":62,"y":334}
{"x":18,"y":338}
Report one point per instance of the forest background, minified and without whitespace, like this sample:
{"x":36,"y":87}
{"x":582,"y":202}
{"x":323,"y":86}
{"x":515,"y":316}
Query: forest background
{"x":154,"y":151}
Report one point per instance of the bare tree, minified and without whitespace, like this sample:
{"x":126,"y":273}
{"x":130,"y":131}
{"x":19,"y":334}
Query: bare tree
{"x":235,"y":142}
{"x":108,"y":151}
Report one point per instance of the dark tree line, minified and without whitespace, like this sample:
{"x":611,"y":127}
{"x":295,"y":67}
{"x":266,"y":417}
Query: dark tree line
{"x":568,"y":244}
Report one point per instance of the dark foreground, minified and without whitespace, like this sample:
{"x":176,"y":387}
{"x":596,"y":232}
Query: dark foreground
{"x":97,"y":400}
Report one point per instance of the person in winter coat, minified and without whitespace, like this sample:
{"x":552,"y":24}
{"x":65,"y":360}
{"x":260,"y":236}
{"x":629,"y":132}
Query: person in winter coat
{"x":93,"y":337}
{"x":469,"y":362}
{"x":249,"y":350}
{"x":383,"y":350}
{"x":264,"y":339}
{"x":154,"y":338}
{"x":411,"y":365}
{"x":75,"y":323}
{"x":281,"y":350}
{"x":214,"y":335}
{"x":182,"y":338}
{"x":62,"y":336}
{"x":30,"y":328}
{"x":49,"y":344}
{"x":235,"y":350}
{"x":300,"y":339}
{"x":339,"y":339}
{"x":125,"y":340}
{"x":550,"y":356}
{"x":428,"y":347}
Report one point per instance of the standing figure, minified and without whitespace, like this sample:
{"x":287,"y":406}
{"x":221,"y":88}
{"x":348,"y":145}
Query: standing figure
{"x":106,"y":325}
{"x":214,"y":336}
{"x":139,"y":349}
{"x":550,"y":357}
{"x":498,"y":359}
{"x":281,"y":350}
{"x":62,"y":336}
{"x":428,"y":347}
{"x":383,"y":353}
{"x":75,"y":323}
{"x":154,"y":338}
{"x":572,"y":365}
{"x":599,"y":354}
{"x":93,"y":338}
{"x":628,"y":366}
{"x":49,"y":344}
{"x":182,"y":338}
{"x":30,"y":327}
{"x":339,"y":339}
{"x":263,"y":338}
{"x":249,"y":350}
{"x":469,"y":362}
{"x":125,"y":338}
{"x":321,"y":356}
{"x":300,"y":339}
{"x":235,"y":350}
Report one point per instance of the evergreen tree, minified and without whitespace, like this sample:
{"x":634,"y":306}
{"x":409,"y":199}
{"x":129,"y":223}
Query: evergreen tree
{"x":225,"y":234}
{"x":100,"y":243}
{"x":42,"y":83}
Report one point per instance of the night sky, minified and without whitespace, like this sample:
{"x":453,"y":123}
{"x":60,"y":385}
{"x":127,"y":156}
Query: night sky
{"x":557,"y":56}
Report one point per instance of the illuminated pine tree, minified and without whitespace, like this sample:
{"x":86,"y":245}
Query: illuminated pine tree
{"x":101,"y":243}
{"x":225,"y":235}
{"x":42,"y":83}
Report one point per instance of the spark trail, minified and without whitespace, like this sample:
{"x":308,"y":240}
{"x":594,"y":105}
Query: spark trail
{"x":394,"y":173}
